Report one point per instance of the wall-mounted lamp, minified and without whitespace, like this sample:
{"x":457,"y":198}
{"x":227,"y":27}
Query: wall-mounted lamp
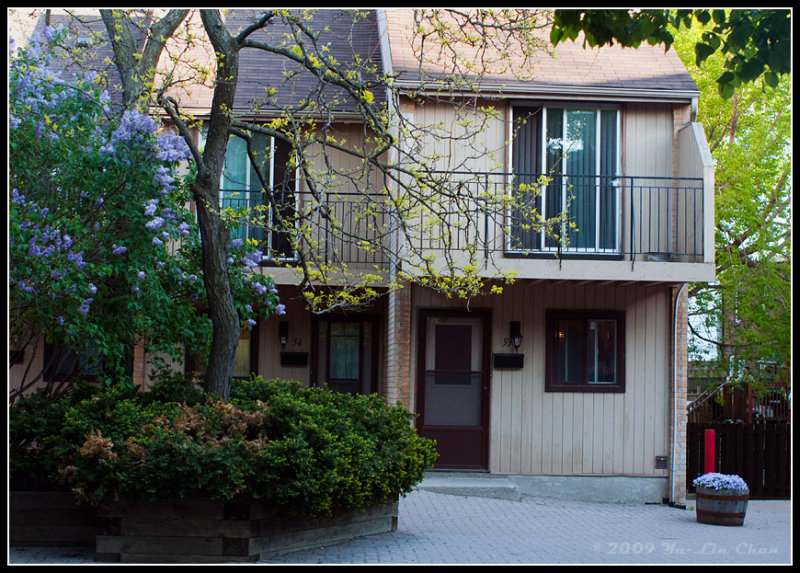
{"x":283,"y":332}
{"x":515,"y":334}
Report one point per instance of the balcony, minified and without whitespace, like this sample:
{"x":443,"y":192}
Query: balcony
{"x":650,"y":218}
{"x":344,"y":229}
{"x":638,"y":226}
{"x":641,"y":227}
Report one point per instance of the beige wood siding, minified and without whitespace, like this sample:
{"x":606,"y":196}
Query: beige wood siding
{"x":570,"y":433}
{"x":647,"y":137}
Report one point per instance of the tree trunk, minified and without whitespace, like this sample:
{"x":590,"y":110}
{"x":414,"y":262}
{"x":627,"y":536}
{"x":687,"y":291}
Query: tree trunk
{"x":225,"y":320}
{"x":213,"y":231}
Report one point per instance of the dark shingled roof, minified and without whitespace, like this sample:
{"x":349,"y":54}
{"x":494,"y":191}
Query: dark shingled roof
{"x":647,"y":71}
{"x":570,"y":69}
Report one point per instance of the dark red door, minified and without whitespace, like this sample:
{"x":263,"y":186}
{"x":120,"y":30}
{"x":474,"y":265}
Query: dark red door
{"x":453,"y":386}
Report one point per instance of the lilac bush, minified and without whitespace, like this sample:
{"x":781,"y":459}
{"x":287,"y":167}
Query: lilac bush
{"x":103,"y":249}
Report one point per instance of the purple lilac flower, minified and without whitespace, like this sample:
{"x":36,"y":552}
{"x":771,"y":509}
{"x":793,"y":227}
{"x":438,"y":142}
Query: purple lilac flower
{"x":141,"y":276}
{"x":183,"y":229}
{"x":280,"y":310}
{"x":150,"y":210}
{"x":164,"y":180}
{"x":92,"y":288}
{"x":155,"y":223}
{"x":133,"y":122}
{"x":119,"y":250}
{"x":172,"y":147}
{"x":157,"y":242}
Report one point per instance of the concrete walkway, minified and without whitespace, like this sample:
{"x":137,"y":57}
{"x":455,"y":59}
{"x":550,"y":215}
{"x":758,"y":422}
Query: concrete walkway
{"x":477,"y":524}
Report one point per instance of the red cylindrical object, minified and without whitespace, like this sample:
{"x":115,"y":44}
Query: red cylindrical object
{"x":710,"y":441}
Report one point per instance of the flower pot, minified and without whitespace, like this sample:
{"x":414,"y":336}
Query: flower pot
{"x":721,"y":506}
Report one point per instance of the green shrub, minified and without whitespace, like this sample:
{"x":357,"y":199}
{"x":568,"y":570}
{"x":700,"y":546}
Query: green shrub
{"x":310,"y":451}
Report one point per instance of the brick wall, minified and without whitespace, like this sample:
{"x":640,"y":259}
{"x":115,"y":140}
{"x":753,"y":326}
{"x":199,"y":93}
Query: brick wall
{"x":397,"y":374}
{"x":678,"y":393}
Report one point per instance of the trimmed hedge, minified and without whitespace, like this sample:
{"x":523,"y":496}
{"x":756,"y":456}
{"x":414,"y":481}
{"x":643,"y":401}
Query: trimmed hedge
{"x":310,"y":451}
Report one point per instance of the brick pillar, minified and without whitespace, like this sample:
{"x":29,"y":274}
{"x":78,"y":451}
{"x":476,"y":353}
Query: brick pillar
{"x":397,"y":377}
{"x":678,"y":392}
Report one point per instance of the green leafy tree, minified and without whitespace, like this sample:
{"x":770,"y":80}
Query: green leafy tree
{"x":745,"y":315}
{"x":103,"y":253}
{"x":753,"y":43}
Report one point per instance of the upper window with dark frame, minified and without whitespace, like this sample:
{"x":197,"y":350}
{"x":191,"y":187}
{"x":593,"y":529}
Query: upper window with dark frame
{"x":269,"y":209}
{"x":585,"y":351}
{"x":577,"y":149}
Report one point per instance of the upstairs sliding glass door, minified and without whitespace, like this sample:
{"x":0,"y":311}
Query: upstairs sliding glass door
{"x":241,"y":192}
{"x":578,"y":150}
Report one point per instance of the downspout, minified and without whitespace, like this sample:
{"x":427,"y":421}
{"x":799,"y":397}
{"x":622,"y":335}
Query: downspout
{"x":674,"y":389}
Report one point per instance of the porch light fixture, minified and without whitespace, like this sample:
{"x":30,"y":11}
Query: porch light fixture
{"x":515,"y":334}
{"x":283,"y":332}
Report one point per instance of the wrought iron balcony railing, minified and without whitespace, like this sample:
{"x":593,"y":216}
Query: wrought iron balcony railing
{"x":634,"y":218}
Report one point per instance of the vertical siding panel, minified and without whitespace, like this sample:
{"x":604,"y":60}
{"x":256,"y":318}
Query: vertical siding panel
{"x":631,"y":367}
{"x":651,"y":382}
{"x":661,"y":405}
{"x":548,"y":402}
{"x":537,"y":432}
{"x":537,"y":380}
{"x":526,"y":379}
{"x":642,"y":375}
{"x":645,"y":381}
{"x":620,"y":301}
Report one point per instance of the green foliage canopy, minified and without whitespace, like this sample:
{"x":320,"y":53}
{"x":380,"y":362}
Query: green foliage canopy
{"x":746,"y":313}
{"x":753,"y":42}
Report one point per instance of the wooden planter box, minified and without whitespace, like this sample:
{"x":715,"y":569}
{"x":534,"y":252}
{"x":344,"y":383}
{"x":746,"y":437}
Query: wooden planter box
{"x":49,"y":518}
{"x":183,"y":531}
{"x":210,"y":532}
{"x":721,"y":507}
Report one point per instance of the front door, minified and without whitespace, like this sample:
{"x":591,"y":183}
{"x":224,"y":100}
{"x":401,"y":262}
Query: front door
{"x":453,"y":387}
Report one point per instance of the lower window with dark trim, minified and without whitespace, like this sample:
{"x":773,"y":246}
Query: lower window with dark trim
{"x":585,"y":351}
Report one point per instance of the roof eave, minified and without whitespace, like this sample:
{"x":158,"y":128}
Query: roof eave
{"x":595,"y":93}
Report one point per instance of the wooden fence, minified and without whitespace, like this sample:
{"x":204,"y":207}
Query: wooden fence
{"x":758,"y":452}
